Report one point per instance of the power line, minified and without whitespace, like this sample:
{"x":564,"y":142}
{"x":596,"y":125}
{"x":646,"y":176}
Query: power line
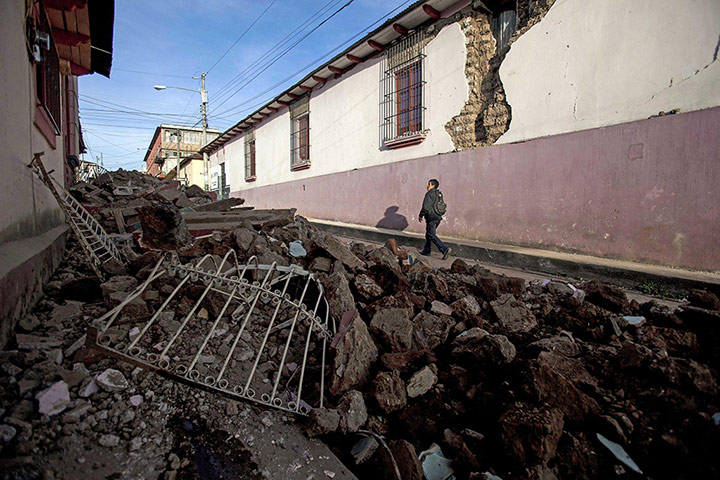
{"x":277,"y":46}
{"x":283,"y":54}
{"x":242,"y":35}
{"x":220,"y":115}
{"x":149,"y":73}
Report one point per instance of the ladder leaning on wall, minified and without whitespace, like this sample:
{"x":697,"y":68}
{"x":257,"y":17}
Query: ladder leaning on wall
{"x":92,"y":236}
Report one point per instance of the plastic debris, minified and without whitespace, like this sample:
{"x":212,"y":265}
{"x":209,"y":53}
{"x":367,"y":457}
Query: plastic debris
{"x":634,"y":320}
{"x":435,"y":465}
{"x":716,"y":418}
{"x":619,"y":453}
{"x":296,"y":249}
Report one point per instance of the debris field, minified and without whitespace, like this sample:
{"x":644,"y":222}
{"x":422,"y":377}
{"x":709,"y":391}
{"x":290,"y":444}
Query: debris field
{"x":404,"y":370}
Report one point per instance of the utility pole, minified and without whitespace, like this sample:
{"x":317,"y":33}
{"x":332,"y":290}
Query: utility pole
{"x":206,"y":163}
{"x":177,"y":167}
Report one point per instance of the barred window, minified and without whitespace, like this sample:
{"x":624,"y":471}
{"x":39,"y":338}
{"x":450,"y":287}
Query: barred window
{"x":191,"y":137}
{"x":300,"y":132}
{"x":402,"y":85}
{"x":250,"y":156}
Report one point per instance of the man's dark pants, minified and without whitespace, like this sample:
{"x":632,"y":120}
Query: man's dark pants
{"x":431,"y":237}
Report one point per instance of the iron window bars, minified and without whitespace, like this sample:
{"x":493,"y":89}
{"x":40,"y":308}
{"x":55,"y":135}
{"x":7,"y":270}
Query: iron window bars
{"x":250,"y":155}
{"x":48,"y":76}
{"x":402,"y":88}
{"x":253,"y":332}
{"x":300,"y":132}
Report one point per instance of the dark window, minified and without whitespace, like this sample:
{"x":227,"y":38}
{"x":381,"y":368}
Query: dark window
{"x":250,"y":156}
{"x":300,"y":133}
{"x":408,"y":83}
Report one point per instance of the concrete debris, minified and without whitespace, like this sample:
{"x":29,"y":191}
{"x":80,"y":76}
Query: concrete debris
{"x":506,"y":379}
{"x":54,"y":399}
{"x":112,"y":380}
{"x":434,"y":464}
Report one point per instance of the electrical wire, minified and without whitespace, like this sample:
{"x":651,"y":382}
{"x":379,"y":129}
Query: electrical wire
{"x":327,"y":7}
{"x":241,"y":36}
{"x":285,"y":53}
{"x":115,"y":69}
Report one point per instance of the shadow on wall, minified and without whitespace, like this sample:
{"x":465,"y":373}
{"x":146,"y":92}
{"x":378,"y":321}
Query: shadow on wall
{"x":393,"y":220}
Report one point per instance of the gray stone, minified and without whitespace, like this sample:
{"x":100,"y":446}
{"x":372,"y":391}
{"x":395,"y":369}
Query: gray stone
{"x":512,"y":316}
{"x":53,"y":399}
{"x":77,"y":413}
{"x":390,"y":392}
{"x":136,"y":308}
{"x":337,"y":249}
{"x":112,"y":380}
{"x":439,"y":308}
{"x":468,"y":309}
{"x":10,"y":369}
{"x":121,"y":283}
{"x":560,"y":344}
{"x":353,"y":413}
{"x":354,"y":356}
{"x":63,"y":313}
{"x":244,"y":238}
{"x":109,"y":440}
{"x":323,"y":421}
{"x":422,"y":381}
{"x":7,"y":433}
{"x":33,"y":342}
{"x":366,"y":287}
{"x":88,"y":387}
{"x":321,"y":264}
{"x":29,"y":323}
{"x":338,"y":294}
{"x":394,"y":328}
{"x":435,"y":328}
{"x":478,"y":346}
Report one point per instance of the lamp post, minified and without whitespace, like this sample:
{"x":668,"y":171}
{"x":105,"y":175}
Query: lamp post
{"x":204,"y":100}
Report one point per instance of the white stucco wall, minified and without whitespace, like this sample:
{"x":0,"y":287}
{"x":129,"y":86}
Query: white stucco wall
{"x":592,"y":63}
{"x":344,"y":120}
{"x":28,"y":208}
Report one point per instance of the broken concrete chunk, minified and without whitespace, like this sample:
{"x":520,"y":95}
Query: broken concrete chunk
{"x":422,"y":381}
{"x":435,"y":328}
{"x":75,"y":376}
{"x":477,"y":345}
{"x":407,"y":460}
{"x":364,"y":449}
{"x":33,"y":342}
{"x":7,"y":433}
{"x":353,"y":413}
{"x":112,"y":380}
{"x":29,"y":323}
{"x":439,"y":308}
{"x":366,"y":287}
{"x":323,"y":421}
{"x":136,"y":400}
{"x":63,"y":313}
{"x":606,"y":296}
{"x":163,"y":227}
{"x":109,"y":440}
{"x":512,"y":316}
{"x":393,"y":328}
{"x":54,"y":399}
{"x":77,"y":413}
{"x":355,"y":354}
{"x":337,"y":249}
{"x":531,"y":434}
{"x":468,"y":309}
{"x":390,"y":392}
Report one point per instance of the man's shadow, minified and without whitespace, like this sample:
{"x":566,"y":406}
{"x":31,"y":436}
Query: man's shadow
{"x":393,"y":220}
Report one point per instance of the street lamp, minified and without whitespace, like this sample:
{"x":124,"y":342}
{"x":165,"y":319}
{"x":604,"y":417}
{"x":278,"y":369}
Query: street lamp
{"x":204,"y":100}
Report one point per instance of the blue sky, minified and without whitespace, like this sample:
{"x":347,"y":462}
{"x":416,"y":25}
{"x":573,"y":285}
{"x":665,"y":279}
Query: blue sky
{"x":169,"y":42}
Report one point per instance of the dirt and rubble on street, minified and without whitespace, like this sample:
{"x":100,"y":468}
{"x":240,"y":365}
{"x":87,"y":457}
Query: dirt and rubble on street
{"x":418,"y":372}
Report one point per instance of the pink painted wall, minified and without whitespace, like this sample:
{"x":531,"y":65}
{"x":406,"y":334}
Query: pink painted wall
{"x":646,"y":191}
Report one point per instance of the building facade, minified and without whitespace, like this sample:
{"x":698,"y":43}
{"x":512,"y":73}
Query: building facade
{"x":171,"y":142}
{"x":575,"y":125}
{"x":45,"y":46}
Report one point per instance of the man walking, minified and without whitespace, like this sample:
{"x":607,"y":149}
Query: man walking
{"x":433,"y":208}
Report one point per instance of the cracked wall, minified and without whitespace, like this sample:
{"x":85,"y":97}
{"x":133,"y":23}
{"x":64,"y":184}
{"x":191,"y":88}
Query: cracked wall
{"x":595,"y":63}
{"x":486,"y":115}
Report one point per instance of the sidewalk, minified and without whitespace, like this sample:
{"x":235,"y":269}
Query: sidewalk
{"x":629,"y":275}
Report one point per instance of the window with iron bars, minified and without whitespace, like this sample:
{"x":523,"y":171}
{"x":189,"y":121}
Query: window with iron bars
{"x":300,"y":132}
{"x":48,"y":78}
{"x":250,"y":156}
{"x":402,"y":88}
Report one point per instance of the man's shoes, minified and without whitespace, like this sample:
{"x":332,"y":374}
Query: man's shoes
{"x":447,"y":253}
{"x":424,"y":254}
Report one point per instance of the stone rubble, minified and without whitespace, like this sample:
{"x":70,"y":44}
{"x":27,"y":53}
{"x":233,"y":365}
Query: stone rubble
{"x":509,"y":378}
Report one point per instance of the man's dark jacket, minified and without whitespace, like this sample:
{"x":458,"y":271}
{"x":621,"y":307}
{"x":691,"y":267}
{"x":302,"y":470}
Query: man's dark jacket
{"x":427,"y":209}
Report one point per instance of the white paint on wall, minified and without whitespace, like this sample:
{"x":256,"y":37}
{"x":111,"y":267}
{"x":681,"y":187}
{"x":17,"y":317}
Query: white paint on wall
{"x":592,"y":63}
{"x":345,"y":118}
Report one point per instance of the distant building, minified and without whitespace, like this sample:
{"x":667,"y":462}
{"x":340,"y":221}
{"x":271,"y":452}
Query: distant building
{"x":162,"y":154}
{"x":549,"y":124}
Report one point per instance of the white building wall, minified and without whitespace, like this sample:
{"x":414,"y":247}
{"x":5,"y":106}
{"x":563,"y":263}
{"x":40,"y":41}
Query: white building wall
{"x":592,"y":63}
{"x":345,"y":118}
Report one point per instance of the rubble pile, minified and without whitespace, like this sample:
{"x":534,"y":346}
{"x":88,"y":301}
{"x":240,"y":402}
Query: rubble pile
{"x":430,"y":372}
